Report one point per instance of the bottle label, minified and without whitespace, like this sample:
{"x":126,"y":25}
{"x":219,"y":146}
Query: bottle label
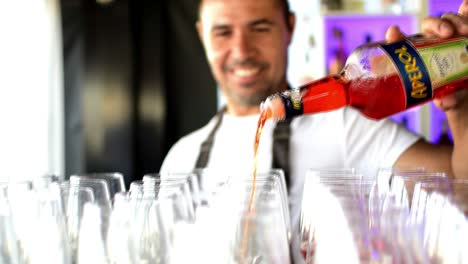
{"x":292,"y":104}
{"x":446,"y":61}
{"x":413,"y":71}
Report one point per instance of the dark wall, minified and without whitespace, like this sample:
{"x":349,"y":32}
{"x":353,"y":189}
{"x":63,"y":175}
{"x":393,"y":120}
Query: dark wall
{"x":187,"y":69}
{"x":136,"y":80}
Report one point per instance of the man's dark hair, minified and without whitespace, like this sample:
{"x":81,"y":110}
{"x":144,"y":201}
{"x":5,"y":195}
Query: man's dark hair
{"x":284,"y":5}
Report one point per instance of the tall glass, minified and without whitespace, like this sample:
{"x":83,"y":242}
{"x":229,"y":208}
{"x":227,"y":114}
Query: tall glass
{"x":8,"y":241}
{"x":115,"y":181}
{"x":253,"y":227}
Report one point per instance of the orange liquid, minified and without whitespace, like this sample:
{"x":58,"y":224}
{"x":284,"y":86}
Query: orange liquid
{"x":306,"y":247}
{"x":261,"y":123}
{"x":375,"y":98}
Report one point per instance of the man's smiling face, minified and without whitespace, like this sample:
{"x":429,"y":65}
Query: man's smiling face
{"x":246,"y":45}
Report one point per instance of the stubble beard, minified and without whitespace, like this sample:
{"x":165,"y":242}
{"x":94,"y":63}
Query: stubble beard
{"x":252,"y":99}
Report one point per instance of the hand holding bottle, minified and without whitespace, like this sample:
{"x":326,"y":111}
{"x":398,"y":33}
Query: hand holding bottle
{"x":455,"y":105}
{"x":448,"y":26}
{"x":384,"y":78}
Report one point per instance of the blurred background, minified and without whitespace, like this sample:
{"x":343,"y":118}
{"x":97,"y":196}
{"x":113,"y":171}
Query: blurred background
{"x":110,"y":85}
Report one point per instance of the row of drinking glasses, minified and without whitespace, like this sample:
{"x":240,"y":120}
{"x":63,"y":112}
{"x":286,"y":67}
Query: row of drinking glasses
{"x":225,"y":231}
{"x":41,"y":218}
{"x":199,"y":217}
{"x":202,"y":217}
{"x":402,"y":216}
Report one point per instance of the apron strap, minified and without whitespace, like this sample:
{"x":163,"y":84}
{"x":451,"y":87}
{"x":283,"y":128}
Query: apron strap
{"x":207,"y":145}
{"x":281,"y":142}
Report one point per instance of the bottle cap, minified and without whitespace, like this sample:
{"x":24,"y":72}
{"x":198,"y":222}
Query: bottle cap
{"x":275,"y":106}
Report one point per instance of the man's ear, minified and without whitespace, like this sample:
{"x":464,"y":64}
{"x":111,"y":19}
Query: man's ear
{"x":199,"y":27}
{"x":292,"y":22}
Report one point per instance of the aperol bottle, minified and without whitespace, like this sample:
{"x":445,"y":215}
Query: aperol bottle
{"x":382,"y":79}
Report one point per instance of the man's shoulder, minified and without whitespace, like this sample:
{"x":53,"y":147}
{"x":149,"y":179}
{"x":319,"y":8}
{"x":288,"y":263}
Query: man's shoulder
{"x":197,"y":136}
{"x":182,"y":155}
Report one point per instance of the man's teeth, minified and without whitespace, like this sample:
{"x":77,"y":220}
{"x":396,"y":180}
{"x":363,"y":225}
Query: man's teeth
{"x":245,"y":73}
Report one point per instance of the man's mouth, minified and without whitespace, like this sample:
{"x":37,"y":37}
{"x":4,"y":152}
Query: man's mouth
{"x":245,"y":73}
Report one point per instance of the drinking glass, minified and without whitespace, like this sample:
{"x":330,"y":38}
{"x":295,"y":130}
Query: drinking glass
{"x":75,"y":197}
{"x":211,"y":182}
{"x":331,"y":229}
{"x":91,"y":244}
{"x":136,"y":190}
{"x":277,"y":178}
{"x":192,"y":180}
{"x":393,"y":191}
{"x":24,"y":204}
{"x":121,"y":246}
{"x":402,"y":185}
{"x":8,"y":240}
{"x":314,"y":186}
{"x":153,"y":230}
{"x":440,"y":210}
{"x":115,"y":181}
{"x":39,"y":222}
{"x":380,"y":193}
{"x":51,"y":237}
{"x":254,"y":222}
{"x":164,"y":187}
{"x":101,"y":193}
{"x":391,"y":224}
{"x":102,"y":199}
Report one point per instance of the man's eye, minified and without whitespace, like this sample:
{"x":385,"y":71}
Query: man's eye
{"x":261,"y":29}
{"x":222,"y":33}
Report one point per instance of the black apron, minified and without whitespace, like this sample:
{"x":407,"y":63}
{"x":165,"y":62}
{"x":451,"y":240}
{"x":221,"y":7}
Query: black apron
{"x":281,"y":135}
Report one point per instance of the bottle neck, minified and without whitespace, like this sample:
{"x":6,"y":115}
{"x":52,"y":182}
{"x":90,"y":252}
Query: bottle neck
{"x":326,"y":94}
{"x":292,"y":102}
{"x":323,"y":95}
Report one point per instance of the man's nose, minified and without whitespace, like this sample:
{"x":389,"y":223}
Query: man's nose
{"x":242,"y":46}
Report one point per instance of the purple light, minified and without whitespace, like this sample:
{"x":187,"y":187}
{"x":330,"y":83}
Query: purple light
{"x":355,"y":28}
{"x":439,"y":7}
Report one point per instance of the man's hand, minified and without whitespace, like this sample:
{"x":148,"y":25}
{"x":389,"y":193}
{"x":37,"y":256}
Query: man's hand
{"x":447,"y":26}
{"x":455,"y":105}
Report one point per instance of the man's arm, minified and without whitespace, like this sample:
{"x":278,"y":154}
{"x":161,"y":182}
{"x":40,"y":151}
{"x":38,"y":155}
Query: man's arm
{"x":440,"y":158}
{"x":435,"y":158}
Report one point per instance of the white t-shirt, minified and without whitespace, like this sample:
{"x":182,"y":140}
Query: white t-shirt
{"x":337,"y":139}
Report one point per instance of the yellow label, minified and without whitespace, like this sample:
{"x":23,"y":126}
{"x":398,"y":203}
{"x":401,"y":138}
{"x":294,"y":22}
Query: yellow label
{"x":412,"y":70}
